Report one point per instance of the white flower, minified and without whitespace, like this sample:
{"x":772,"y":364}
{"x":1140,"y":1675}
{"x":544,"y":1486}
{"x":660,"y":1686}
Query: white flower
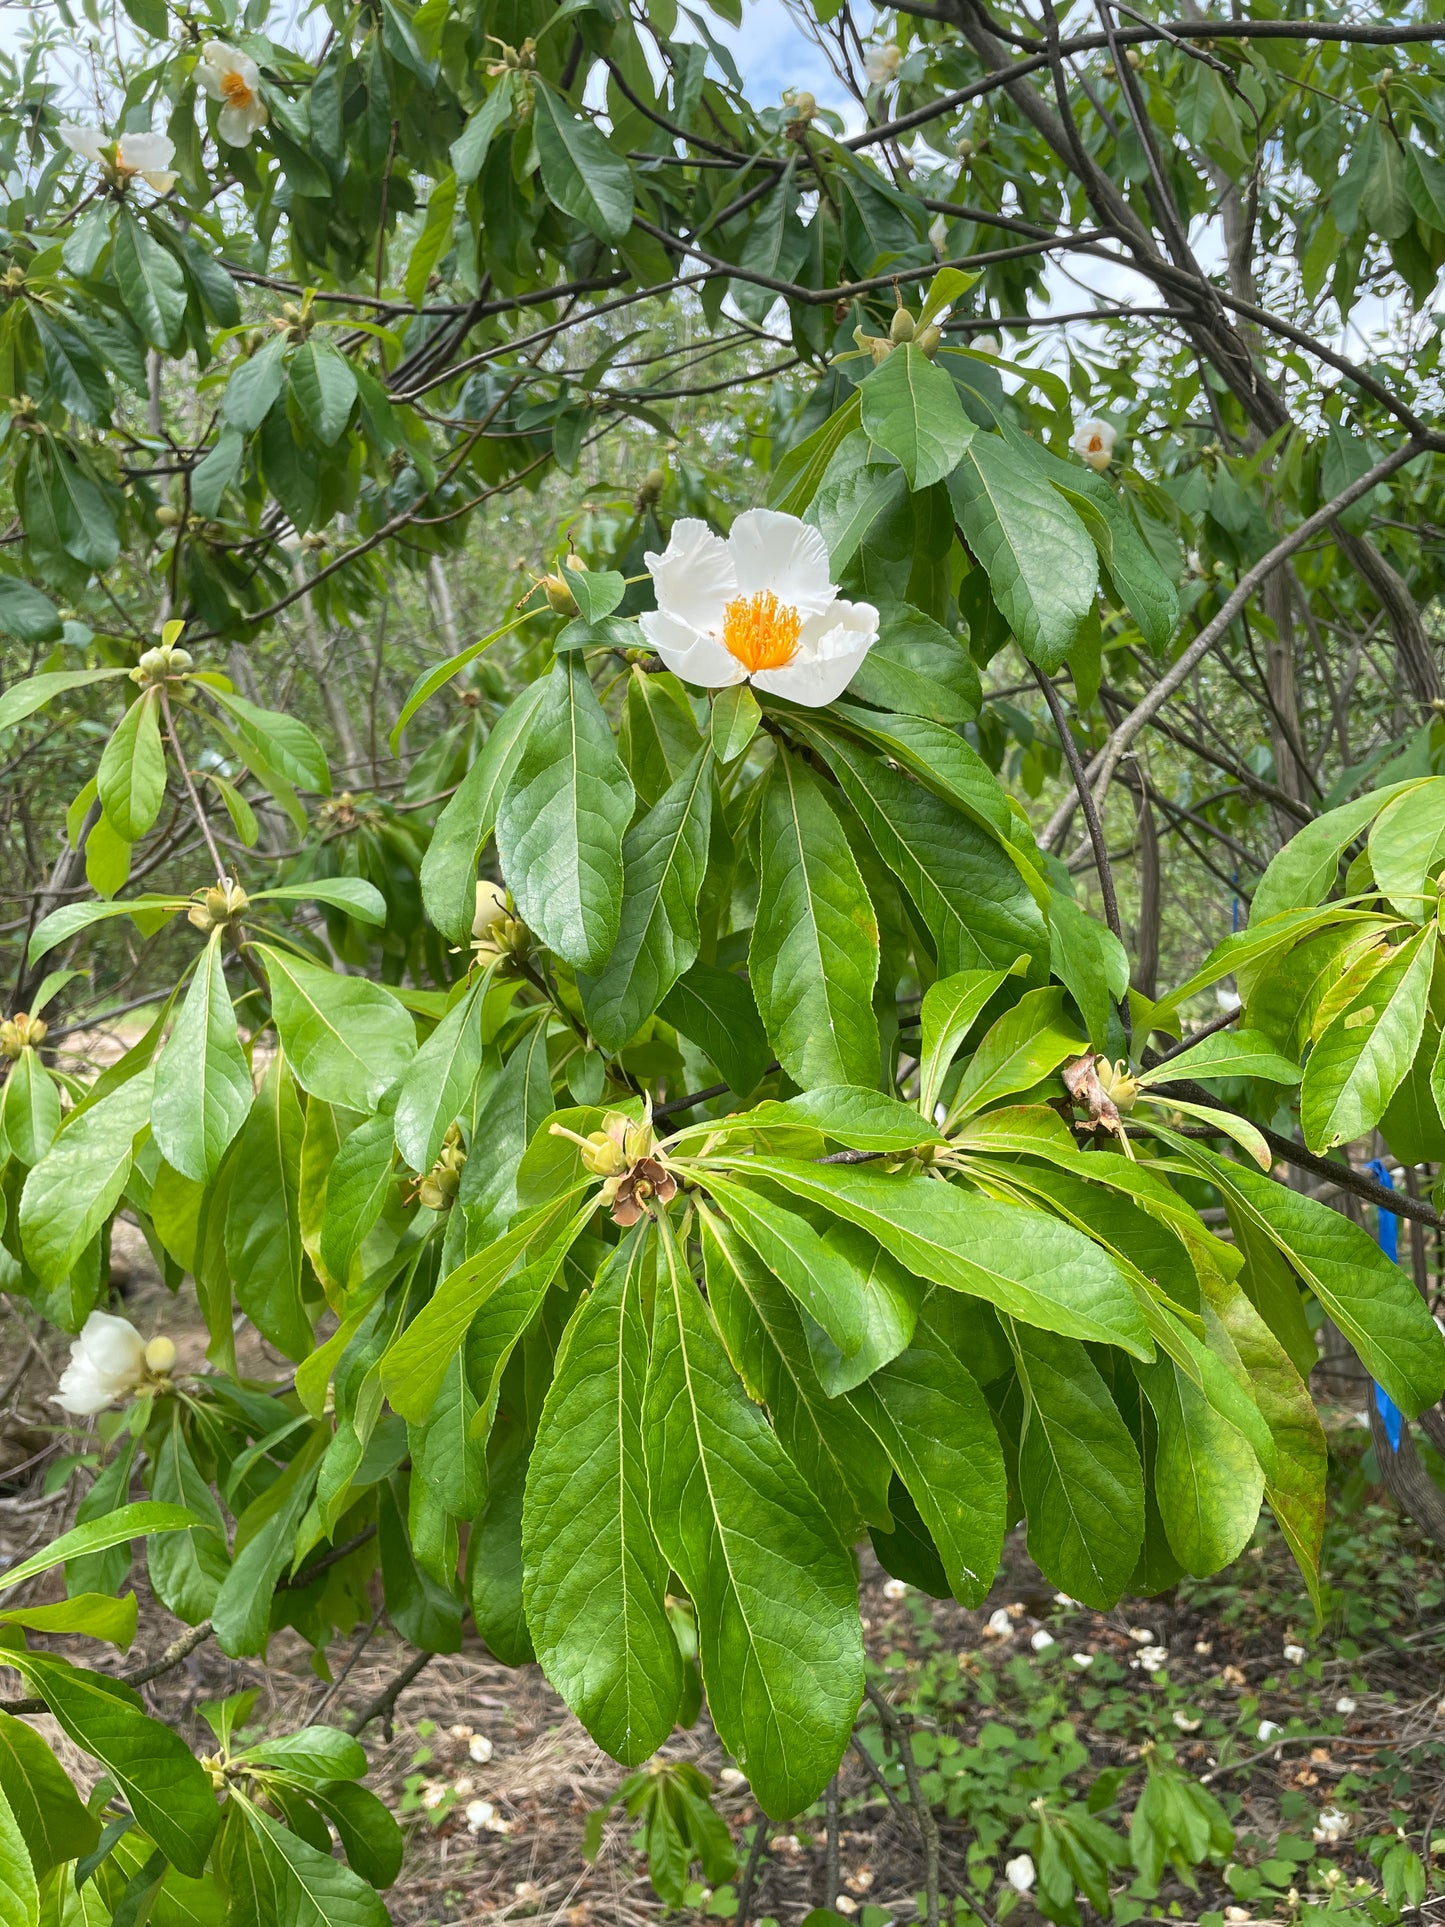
{"x":894,"y":1589}
{"x":999,"y":1624}
{"x":1204,"y":1647}
{"x":1185,"y":1724}
{"x":1237,"y":1913}
{"x":845,"y":1904}
{"x":1296,"y":1655}
{"x":1094,"y":443}
{"x":1019,"y":1872}
{"x":148,"y":155}
{"x":1041,"y":1641}
{"x":1082,"y":1659}
{"x":480,"y":1748}
{"x":230,"y":76}
{"x":482,"y":1817}
{"x":460,"y":1732}
{"x":986,"y":345}
{"x":1344,"y":1704}
{"x":432,"y":1795}
{"x":107,"y":1362}
{"x":938,"y":233}
{"x":1268,"y":1729}
{"x":758,"y":608}
{"x":1151,"y":1658}
{"x":1333,"y":1825}
{"x":731,"y":1780}
{"x":882,"y":63}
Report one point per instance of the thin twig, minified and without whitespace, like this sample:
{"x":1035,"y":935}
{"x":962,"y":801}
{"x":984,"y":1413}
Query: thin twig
{"x":341,"y":1678}
{"x":749,"y":1880}
{"x":382,"y":1705}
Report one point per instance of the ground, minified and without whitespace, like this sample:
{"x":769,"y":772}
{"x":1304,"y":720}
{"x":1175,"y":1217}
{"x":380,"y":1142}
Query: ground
{"x":1004,"y":1713}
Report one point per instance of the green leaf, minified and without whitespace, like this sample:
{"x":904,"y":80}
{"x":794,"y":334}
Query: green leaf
{"x":813,"y":958}
{"x":150,"y":280}
{"x":154,"y":1770}
{"x":934,"y":1424}
{"x":324,"y":384}
{"x":580,"y":172}
{"x":126,"y":1522}
{"x":446,"y":1456}
{"x":186,"y":1569}
{"x":19,"y":1894}
{"x":53,"y":1823}
{"x":1089,"y":960}
{"x":1304,"y":871}
{"x":71,"y":1193}
{"x":356,"y":1191}
{"x":664,"y":857}
{"x":439,"y":1079}
{"x":763,"y":1330}
{"x":469,"y":149}
{"x":715,"y":1010}
{"x":594,"y":1578}
{"x":912,"y":408}
{"x":757,"y":1554}
{"x":311,"y":1889}
{"x":920,"y":668}
{"x":22,"y":699}
{"x":346,"y":1039}
{"x":863,"y":1120}
{"x":64,"y":923}
{"x":494,"y":1548}
{"x":1373,"y":1301}
{"x":440,"y":674}
{"x":354,"y":895}
{"x":29,"y":1109}
{"x":203,"y":1082}
{"x":288,"y":745}
{"x":1361,"y":1057}
{"x":216,"y":471}
{"x":1039,"y":557}
{"x":970,"y":895}
{"x":255,"y":385}
{"x":29,"y":616}
{"x":531,"y":1251}
{"x":733,"y":721}
{"x":1237,"y":1053}
{"x":561,"y":819}
{"x":132,"y":773}
{"x":433,"y":240}
{"x":1018,"y":1051}
{"x":822,"y":1279}
{"x":951,"y":1008}
{"x":263,"y":1231}
{"x":1030,"y":1266}
{"x":1407,"y":847}
{"x":449,"y":868}
{"x":1079,"y":1474}
{"x":596,"y":592}
{"x":1206,"y":1474}
{"x":93,"y":1615}
{"x":369,"y":1834}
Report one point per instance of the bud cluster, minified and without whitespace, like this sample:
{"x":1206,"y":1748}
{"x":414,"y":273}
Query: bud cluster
{"x":219,"y":907}
{"x":21,"y":1032}
{"x":160,"y":664}
{"x":438,"y":1189}
{"x":622,"y":1154}
{"x":498,"y":934}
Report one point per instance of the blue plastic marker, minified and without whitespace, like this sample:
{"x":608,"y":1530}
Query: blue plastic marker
{"x":1388,"y":1235}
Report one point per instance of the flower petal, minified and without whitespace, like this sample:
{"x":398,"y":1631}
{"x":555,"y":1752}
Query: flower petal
{"x":830,"y":649}
{"x":235,"y":125}
{"x":782,"y":553}
{"x":697,"y":658}
{"x":141,"y":153}
{"x":693,"y":578}
{"x":112,"y":1345}
{"x":157,"y":182}
{"x":85,"y":141}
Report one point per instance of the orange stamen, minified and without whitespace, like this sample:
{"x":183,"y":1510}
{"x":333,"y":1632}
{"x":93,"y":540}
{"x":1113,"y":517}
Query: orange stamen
{"x":237,"y":93}
{"x":761,"y":632}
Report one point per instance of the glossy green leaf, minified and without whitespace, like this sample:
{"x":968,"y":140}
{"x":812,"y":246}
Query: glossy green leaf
{"x":714,"y":1009}
{"x":345,"y":1039}
{"x":150,"y":280}
{"x":22,"y":699}
{"x":263,"y":1231}
{"x":1305,"y":870}
{"x":29,"y":616}
{"x":1079,"y":1473}
{"x":131,"y":776}
{"x":1228,"y":1053}
{"x":439,"y":1079}
{"x":53,"y":1823}
{"x":125,"y":1522}
{"x":449,"y":868}
{"x":579,"y":170}
{"x":1407,"y":848}
{"x":77,"y":1184}
{"x":561,"y":819}
{"x":1360,"y":1059}
{"x":772,"y":1584}
{"x":951,"y":1008}
{"x":664,"y":857}
{"x":354,"y":895}
{"x":1208,"y":1479}
{"x":311,"y":1888}
{"x":813,"y":959}
{"x":911,"y":408}
{"x":594,"y":1578}
{"x":29,"y":1108}
{"x":203,"y":1082}
{"x":1018,"y":1051}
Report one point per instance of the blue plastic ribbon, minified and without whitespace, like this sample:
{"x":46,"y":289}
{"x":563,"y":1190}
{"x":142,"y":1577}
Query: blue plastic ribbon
{"x":1388,"y":1235}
